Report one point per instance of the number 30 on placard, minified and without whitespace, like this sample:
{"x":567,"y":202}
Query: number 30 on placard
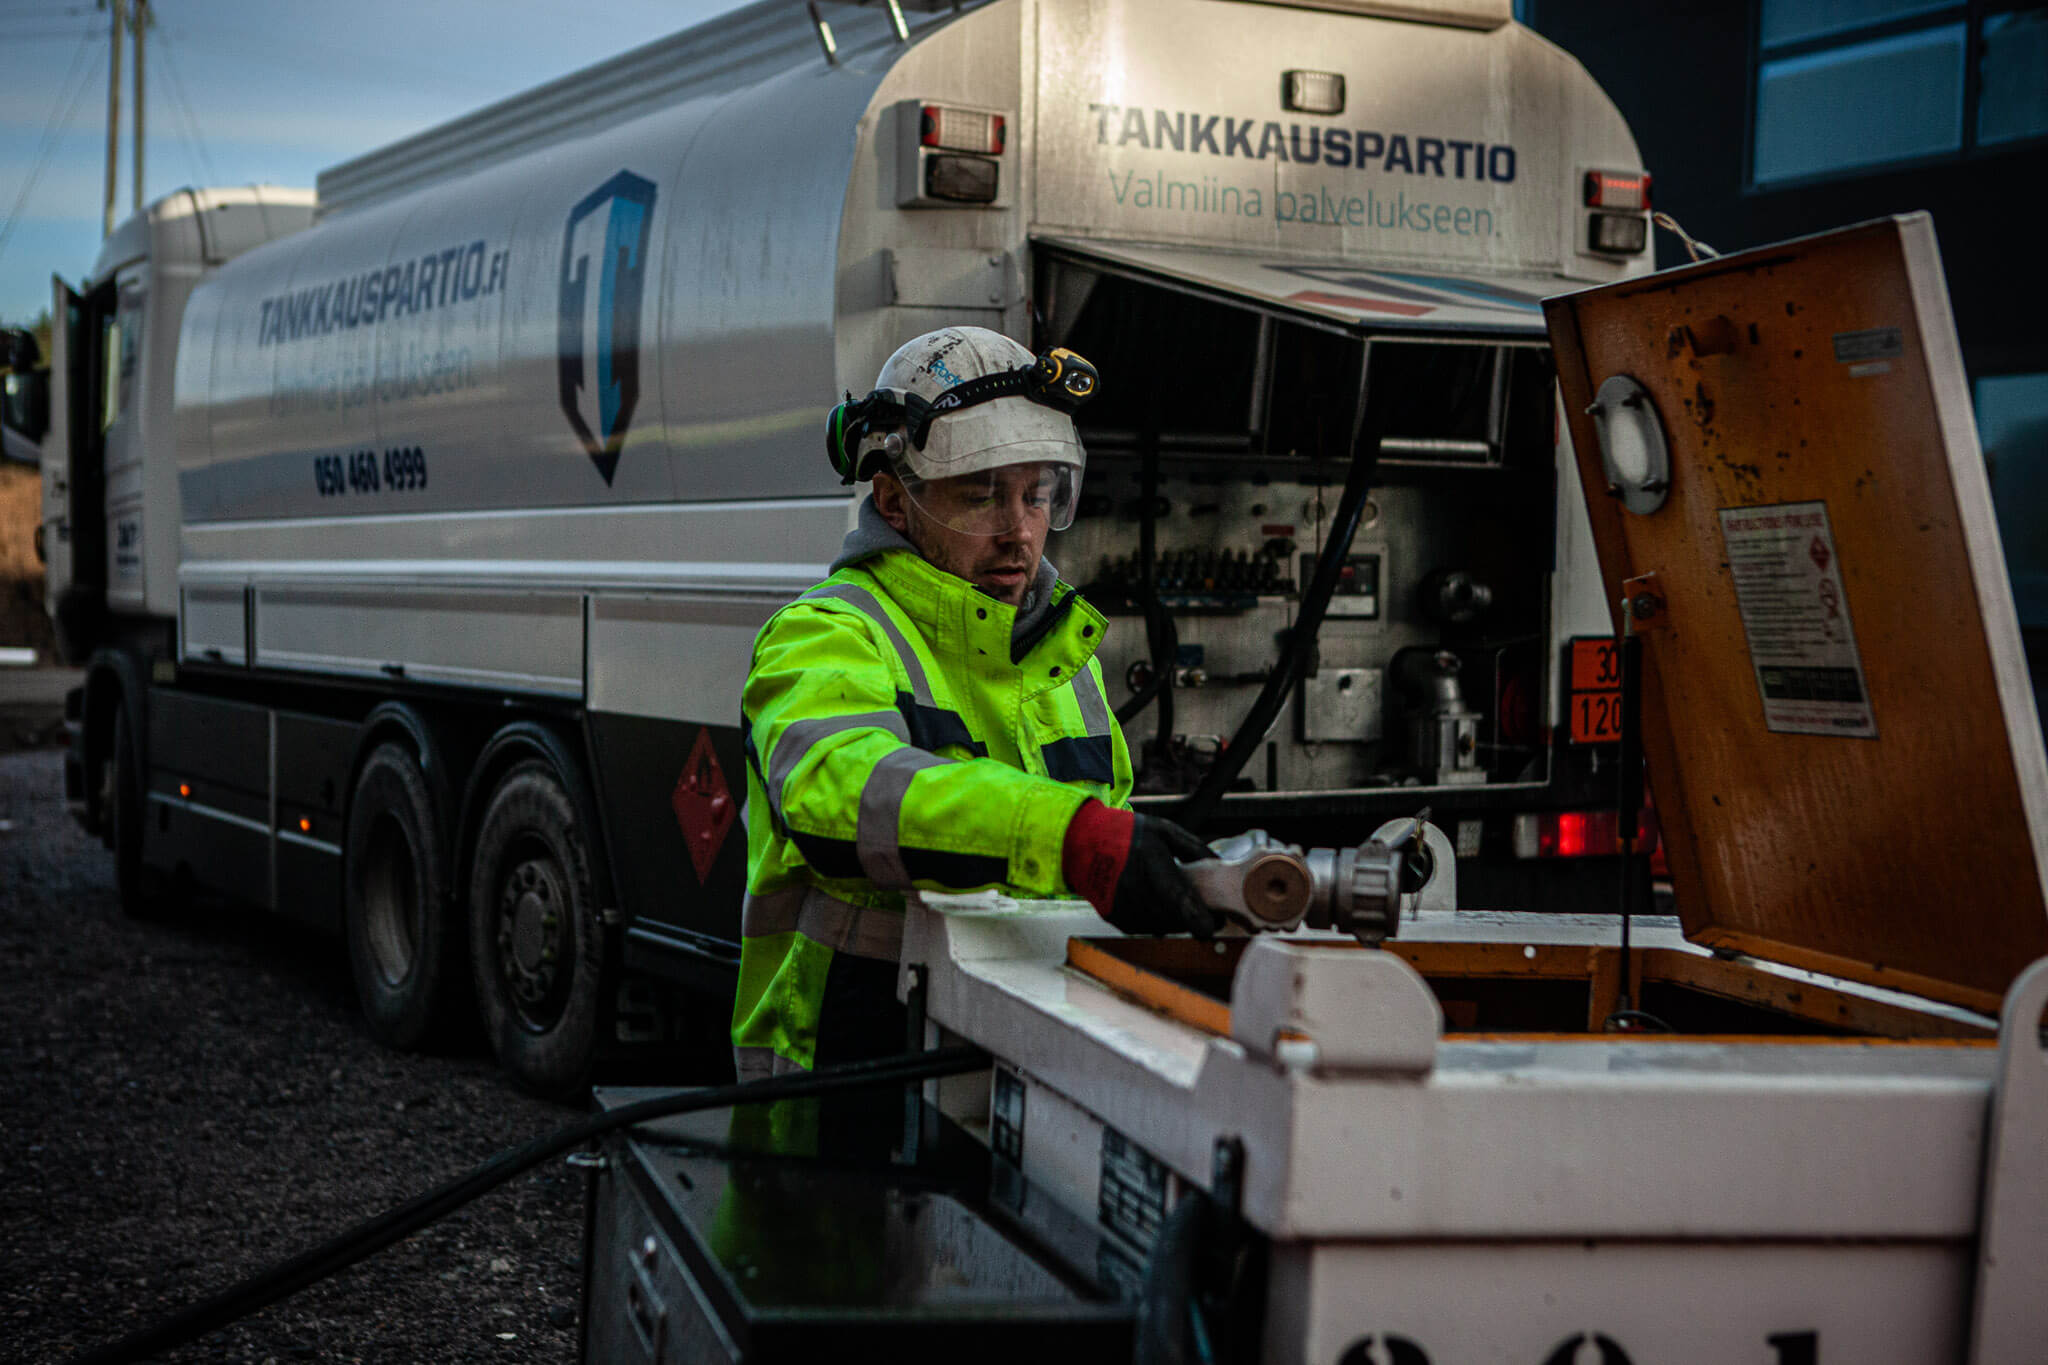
{"x":1595,"y":700}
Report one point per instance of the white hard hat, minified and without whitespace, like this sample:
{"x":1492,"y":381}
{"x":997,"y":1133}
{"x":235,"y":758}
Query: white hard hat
{"x":977,"y":435}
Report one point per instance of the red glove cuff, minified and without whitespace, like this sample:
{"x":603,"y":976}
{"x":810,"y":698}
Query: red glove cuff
{"x":1093,"y":854}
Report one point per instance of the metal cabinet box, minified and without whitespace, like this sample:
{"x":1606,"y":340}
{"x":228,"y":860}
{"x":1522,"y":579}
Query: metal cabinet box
{"x":813,"y":1229}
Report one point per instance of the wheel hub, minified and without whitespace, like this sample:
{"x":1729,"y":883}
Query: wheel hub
{"x":529,"y":932}
{"x":531,"y":935}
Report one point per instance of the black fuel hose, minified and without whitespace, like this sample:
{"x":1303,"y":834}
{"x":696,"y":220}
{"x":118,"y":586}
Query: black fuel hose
{"x":288,"y":1277}
{"x":1141,"y":698}
{"x":1195,"y":811}
{"x":1162,"y":643}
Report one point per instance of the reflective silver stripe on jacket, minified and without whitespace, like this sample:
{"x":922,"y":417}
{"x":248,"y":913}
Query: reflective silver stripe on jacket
{"x":868,"y":605}
{"x":776,"y":912}
{"x":876,"y":839}
{"x":1094,"y":706}
{"x":798,"y":737}
{"x":759,"y":1063}
{"x":824,"y":919}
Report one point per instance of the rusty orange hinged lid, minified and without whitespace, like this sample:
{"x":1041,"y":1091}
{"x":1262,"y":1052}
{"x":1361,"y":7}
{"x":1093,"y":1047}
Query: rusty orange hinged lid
{"x":1837,"y":718}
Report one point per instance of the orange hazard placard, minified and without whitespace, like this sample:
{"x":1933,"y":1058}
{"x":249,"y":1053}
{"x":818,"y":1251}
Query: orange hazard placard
{"x":1596,"y":717}
{"x":1595,"y":665}
{"x":1595,"y":695}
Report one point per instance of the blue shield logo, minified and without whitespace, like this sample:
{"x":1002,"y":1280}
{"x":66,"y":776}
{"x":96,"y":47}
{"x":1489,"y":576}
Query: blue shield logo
{"x":606,"y":236}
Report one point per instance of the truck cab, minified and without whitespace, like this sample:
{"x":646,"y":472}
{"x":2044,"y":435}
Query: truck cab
{"x":110,"y":471}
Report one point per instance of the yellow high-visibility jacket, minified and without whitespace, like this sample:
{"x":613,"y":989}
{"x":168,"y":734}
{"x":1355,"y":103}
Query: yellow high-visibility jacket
{"x":901,"y":732}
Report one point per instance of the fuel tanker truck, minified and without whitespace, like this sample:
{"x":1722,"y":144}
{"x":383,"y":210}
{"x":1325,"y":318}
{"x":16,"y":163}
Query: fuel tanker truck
{"x":414,"y":535}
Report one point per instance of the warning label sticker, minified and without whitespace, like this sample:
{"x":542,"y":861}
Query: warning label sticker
{"x":1788,"y":586}
{"x":1132,"y":1198}
{"x":1878,"y":343}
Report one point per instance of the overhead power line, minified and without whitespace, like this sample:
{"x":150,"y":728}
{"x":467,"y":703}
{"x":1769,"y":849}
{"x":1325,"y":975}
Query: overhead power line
{"x":12,"y":36}
{"x":182,"y":103}
{"x":62,"y":112}
{"x":50,"y":20}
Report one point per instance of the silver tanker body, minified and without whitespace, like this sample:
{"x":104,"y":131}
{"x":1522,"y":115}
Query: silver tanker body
{"x":486,"y":480}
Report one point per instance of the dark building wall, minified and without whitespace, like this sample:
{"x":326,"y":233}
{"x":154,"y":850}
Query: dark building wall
{"x":1680,"y":72}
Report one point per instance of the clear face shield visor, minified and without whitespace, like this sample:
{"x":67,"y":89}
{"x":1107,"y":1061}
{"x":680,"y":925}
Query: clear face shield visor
{"x":997,"y":501}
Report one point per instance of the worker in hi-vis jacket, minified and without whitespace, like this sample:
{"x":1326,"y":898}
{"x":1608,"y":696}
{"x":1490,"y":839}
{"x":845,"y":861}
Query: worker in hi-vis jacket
{"x":931,"y":715}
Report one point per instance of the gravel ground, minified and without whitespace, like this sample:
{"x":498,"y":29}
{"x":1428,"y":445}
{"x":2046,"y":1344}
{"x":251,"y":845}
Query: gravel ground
{"x":183,"y":1103}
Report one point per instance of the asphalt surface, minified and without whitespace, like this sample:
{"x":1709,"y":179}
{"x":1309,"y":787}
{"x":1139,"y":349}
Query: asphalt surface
{"x":183,"y":1103}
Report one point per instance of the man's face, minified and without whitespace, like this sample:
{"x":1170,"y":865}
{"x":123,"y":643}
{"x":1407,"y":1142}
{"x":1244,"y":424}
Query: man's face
{"x":1002,"y":564}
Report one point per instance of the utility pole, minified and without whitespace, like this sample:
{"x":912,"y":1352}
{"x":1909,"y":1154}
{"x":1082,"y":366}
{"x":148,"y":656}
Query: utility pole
{"x":140,"y":21}
{"x":113,"y":112}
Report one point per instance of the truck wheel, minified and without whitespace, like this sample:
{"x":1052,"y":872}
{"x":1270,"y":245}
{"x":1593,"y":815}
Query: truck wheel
{"x":405,"y":941}
{"x":534,"y":934}
{"x":144,"y":891}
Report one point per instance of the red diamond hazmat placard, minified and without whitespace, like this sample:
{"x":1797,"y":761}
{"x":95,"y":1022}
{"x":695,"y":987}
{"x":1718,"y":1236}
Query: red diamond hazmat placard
{"x":703,"y":805}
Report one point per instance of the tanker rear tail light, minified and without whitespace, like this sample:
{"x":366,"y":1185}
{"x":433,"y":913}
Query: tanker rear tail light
{"x":961,"y":130}
{"x":1579,"y":834}
{"x":948,"y":157}
{"x":1621,"y":199}
{"x":1629,"y":190}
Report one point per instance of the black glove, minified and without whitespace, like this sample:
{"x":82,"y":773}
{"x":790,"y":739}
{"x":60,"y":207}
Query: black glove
{"x":1125,"y":865}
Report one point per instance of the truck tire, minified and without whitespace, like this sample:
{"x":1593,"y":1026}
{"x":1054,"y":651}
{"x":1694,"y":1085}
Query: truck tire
{"x":145,"y":892}
{"x":406,"y":944}
{"x":535,"y":935}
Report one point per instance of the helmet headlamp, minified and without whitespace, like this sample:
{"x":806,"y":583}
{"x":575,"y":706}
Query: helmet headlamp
{"x":1057,"y":379}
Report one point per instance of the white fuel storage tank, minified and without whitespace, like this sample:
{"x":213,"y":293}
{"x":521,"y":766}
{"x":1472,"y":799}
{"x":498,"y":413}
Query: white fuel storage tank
{"x":670,"y":264}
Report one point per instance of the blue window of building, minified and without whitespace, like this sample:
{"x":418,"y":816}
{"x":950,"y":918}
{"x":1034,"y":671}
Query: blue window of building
{"x":1798,"y":21}
{"x":1848,"y":86}
{"x":2014,"y":67}
{"x":2012,"y":424}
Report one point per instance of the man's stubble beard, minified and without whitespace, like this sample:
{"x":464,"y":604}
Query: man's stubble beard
{"x":944,"y":554}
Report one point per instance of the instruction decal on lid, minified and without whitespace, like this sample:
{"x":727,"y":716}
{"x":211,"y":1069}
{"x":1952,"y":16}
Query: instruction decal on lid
{"x":1802,"y":648}
{"x":1874,"y":343}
